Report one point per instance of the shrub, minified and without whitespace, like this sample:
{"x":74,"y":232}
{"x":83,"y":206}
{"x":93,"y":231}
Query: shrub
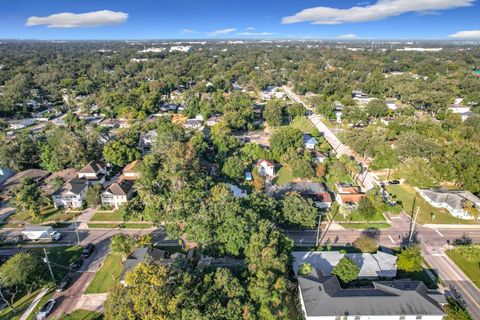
{"x":305,"y":269}
{"x":366,"y":244}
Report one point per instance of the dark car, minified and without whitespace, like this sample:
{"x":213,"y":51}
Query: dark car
{"x":393,"y":182}
{"x":76,"y":265}
{"x":64,"y":284}
{"x":87,"y":250}
{"x":45,"y":310}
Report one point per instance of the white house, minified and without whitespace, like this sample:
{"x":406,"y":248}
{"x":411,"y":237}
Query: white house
{"x":131,"y":170}
{"x":94,"y":172}
{"x":193,"y":124}
{"x":71,"y":194}
{"x":21,"y":124}
{"x":236,"y":191}
{"x":117,"y":194}
{"x":147,"y":140}
{"x":452,"y":200}
{"x":265,"y":168}
{"x":309,"y":142}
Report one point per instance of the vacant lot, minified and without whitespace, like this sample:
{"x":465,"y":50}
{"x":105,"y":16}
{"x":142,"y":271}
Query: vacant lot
{"x":115,"y":215}
{"x":108,"y":275}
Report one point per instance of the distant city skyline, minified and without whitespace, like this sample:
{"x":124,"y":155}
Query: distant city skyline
{"x":214,"y":19}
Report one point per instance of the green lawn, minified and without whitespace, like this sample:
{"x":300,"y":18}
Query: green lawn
{"x":127,"y":225}
{"x":302,"y":124}
{"x":40,"y":304}
{"x":406,"y":195}
{"x":363,"y":226}
{"x":20,"y":306}
{"x":355,"y":217}
{"x":47,"y":214}
{"x":115,"y":215}
{"x":471,"y":269}
{"x":60,"y":258}
{"x":83,"y":315}
{"x":108,"y":275}
{"x":284,"y":176}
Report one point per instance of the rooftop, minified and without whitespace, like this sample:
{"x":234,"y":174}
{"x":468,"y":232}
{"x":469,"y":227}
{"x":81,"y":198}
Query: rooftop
{"x":454,"y":198}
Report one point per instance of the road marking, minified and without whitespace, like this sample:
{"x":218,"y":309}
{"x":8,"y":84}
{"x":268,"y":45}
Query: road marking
{"x":441,"y":235}
{"x":391,"y":239}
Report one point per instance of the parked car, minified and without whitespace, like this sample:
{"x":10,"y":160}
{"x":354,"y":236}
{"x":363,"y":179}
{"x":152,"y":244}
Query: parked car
{"x":76,"y":265}
{"x":87,"y":250}
{"x":64,"y":283}
{"x":45,"y":310}
{"x":393,"y":182}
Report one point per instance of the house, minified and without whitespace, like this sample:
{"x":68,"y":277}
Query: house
{"x":460,"y":109}
{"x":9,"y":185}
{"x":193,"y":124}
{"x":236,"y":191}
{"x":391,"y":104}
{"x":316,"y":191}
{"x":358,"y":94}
{"x":454,"y":201}
{"x":319,"y":157}
{"x":222,"y":262}
{"x":5,"y":174}
{"x":322,"y":298}
{"x":169,"y":107}
{"x":117,"y":194}
{"x":71,"y":194}
{"x":265,"y":168}
{"x":51,"y":183}
{"x":132,"y":170}
{"x":94,"y":172}
{"x":379,"y":265}
{"x":147,"y":140}
{"x":213,"y":120}
{"x":309,"y":142}
{"x":348,"y":194}
{"x":148,"y":253}
{"x":21,"y":124}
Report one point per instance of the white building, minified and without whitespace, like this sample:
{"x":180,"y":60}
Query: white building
{"x":147,"y":140}
{"x":236,"y":191}
{"x":94,"y":172}
{"x":117,"y":194}
{"x":181,"y":48}
{"x":265,"y":168}
{"x":71,"y":194}
{"x":309,"y":142}
{"x":453,"y":200}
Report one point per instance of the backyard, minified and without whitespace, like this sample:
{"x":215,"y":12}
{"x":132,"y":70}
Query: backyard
{"x":427,"y":214}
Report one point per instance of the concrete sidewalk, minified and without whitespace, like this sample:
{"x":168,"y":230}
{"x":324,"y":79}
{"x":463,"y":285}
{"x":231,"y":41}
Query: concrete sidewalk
{"x":34,"y":304}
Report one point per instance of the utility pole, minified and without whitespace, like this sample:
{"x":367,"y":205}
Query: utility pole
{"x":318,"y":230}
{"x":76,"y":231}
{"x":48,"y":264}
{"x":413,"y":225}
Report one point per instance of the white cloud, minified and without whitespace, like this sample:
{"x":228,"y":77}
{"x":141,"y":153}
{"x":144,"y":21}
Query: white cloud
{"x":469,"y":34}
{"x":222,"y":32}
{"x":250,"y":29}
{"x":78,"y":20}
{"x":185,"y":31}
{"x":347,"y":36}
{"x":380,"y":10}
{"x":255,"y":34}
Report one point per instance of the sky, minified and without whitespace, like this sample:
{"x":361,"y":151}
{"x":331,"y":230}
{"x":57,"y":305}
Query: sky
{"x":241,"y":19}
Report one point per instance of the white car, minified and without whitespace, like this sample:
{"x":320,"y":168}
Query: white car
{"x":46,"y":309}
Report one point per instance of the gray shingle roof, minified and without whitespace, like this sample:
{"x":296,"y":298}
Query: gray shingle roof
{"x":454,"y":198}
{"x":75,"y":186}
{"x":376,"y":265}
{"x":323,"y":296}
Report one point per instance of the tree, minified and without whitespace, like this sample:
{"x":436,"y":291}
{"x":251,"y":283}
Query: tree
{"x":122,"y":245}
{"x":455,"y":311}
{"x":28,"y":197}
{"x":366,"y":208}
{"x":366,"y":244}
{"x":23,"y":271}
{"x":304,"y":269}
{"x":233,"y":168}
{"x":320,"y":170}
{"x":300,"y":166}
{"x":355,"y":115}
{"x":258,"y":180}
{"x":299,"y":210}
{"x":346,"y":270}
{"x":273,"y":113}
{"x":377,"y":108}
{"x":285,"y":138}
{"x":19,"y":153}
{"x":92,"y":196}
{"x":295,"y":110}
{"x":119,"y":153}
{"x":410,"y":259}
{"x":417,"y":172}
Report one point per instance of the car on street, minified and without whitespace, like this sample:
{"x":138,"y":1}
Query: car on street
{"x":393,"y":182}
{"x":75,"y":265}
{"x":45,"y":310}
{"x":64,"y":283}
{"x":87,"y":250}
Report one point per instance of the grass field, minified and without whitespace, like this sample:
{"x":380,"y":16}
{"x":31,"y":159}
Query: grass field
{"x":363,"y":226}
{"x":302,"y":124}
{"x":471,"y":269}
{"x":284,"y":176}
{"x":115,"y":215}
{"x":81,"y":314}
{"x":60,"y":258}
{"x":127,"y":225}
{"x":40,"y":304}
{"x":108,"y":275}
{"x":47,"y":214}
{"x":20,"y":306}
{"x":355,"y":217}
{"x":410,"y":199}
